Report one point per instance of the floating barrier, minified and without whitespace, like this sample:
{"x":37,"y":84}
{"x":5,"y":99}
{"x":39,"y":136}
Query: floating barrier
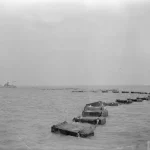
{"x":123,"y":101}
{"x":145,"y":98}
{"x":91,"y":120}
{"x":94,"y":104}
{"x":94,"y":91}
{"x":73,"y":129}
{"x":95,"y":109}
{"x":92,"y":108}
{"x":135,"y":100}
{"x":125,"y":92}
{"x":104,"y":91}
{"x":133,"y":92}
{"x":115,"y":91}
{"x":86,"y":113}
{"x":95,"y":113}
{"x":145,"y":93}
{"x":110,"y":104}
{"x":79,"y":91}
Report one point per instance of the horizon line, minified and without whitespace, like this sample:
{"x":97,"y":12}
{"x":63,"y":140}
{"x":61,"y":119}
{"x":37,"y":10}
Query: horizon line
{"x":82,"y":85}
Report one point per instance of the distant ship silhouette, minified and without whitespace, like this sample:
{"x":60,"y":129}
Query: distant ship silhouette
{"x":7,"y":85}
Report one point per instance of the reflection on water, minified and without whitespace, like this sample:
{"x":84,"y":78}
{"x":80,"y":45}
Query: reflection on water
{"x":27,"y":114}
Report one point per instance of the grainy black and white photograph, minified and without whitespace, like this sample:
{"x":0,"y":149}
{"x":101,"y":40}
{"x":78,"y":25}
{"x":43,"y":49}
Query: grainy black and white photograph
{"x":74,"y":75}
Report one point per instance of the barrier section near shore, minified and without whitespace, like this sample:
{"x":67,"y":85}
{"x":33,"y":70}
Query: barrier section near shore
{"x":95,"y":113}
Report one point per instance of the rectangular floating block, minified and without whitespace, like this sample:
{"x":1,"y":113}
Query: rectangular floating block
{"x":94,"y":106}
{"x":115,"y":91}
{"x":125,"y":91}
{"x":123,"y":101}
{"x":73,"y":129}
{"x":110,"y":103}
{"x":91,"y":120}
{"x":104,"y":91}
{"x":98,"y":103}
{"x":145,"y":98}
{"x":79,"y":91}
{"x":136,"y":100}
{"x":96,"y":113}
{"x":95,"y":109}
{"x":139,"y":92}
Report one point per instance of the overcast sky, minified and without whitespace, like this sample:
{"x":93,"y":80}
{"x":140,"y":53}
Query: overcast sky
{"x":82,"y":42}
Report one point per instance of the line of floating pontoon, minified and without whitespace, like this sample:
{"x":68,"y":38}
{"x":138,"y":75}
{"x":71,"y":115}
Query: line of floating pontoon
{"x":94,"y":114}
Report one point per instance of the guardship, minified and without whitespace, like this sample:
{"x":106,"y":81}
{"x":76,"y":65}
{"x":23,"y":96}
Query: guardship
{"x":7,"y":85}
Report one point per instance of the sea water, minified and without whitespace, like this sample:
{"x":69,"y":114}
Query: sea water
{"x":27,"y":114}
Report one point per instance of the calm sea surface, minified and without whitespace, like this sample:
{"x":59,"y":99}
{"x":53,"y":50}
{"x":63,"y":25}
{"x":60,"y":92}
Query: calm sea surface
{"x":27,"y":114}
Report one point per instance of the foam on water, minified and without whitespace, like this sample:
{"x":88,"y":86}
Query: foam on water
{"x":27,"y":114}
